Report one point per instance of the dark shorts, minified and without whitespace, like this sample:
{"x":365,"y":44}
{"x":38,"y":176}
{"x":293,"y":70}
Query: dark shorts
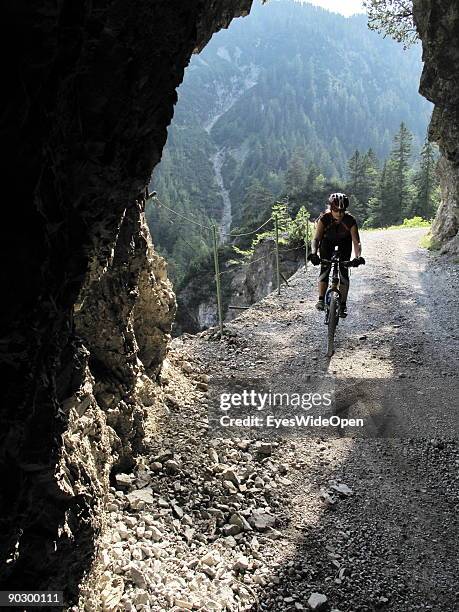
{"x":326,"y":251}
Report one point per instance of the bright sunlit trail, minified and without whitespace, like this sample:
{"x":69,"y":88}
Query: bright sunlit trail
{"x":345,"y":7}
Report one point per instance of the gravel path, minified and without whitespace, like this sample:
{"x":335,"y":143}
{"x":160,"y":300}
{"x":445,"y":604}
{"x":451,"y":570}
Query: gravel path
{"x":329,"y":518}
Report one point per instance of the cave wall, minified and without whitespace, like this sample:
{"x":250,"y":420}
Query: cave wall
{"x":438,"y":27}
{"x":87,"y":310}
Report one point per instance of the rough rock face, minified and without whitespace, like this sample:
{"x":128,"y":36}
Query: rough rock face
{"x":124,"y":315}
{"x":438,"y":27}
{"x":259,"y":278}
{"x":241,"y":286}
{"x":446,"y":226}
{"x":88,"y":309}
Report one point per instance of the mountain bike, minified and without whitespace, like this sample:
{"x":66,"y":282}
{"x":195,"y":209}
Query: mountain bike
{"x":333,"y":298}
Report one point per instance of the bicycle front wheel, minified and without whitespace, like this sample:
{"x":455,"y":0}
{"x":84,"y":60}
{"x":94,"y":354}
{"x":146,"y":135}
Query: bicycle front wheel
{"x":332,"y":321}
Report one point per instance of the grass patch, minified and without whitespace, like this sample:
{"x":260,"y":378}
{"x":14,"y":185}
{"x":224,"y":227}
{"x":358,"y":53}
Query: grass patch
{"x":415,"y":222}
{"x":428,"y":242}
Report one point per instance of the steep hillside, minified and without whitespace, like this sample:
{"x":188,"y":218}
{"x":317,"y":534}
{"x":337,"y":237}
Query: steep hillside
{"x":289,"y":80}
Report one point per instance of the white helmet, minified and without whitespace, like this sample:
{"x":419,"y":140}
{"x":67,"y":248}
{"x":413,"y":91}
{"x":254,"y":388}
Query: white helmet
{"x":338,"y":201}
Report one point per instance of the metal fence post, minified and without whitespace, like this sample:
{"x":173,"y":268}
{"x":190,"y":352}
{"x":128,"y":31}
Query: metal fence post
{"x":276,"y":221}
{"x":217,"y":280}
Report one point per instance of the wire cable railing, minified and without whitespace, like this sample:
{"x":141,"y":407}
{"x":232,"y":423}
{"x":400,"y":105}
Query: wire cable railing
{"x":213,"y":229}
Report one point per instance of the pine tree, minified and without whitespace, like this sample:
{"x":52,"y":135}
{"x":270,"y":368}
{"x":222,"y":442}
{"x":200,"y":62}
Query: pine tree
{"x":311,"y":174}
{"x":257,"y":204}
{"x":389,"y":194}
{"x":372,"y":174}
{"x":284,"y":221}
{"x":398,"y":170}
{"x":319,"y":183}
{"x":375,"y":213}
{"x":300,"y":226}
{"x":295,"y":177}
{"x":355,"y":171}
{"x":426,"y":184}
{"x":376,"y":210}
{"x":363,"y":177}
{"x":357,"y":209}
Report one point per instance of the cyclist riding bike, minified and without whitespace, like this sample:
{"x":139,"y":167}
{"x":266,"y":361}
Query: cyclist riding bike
{"x":336,"y":227}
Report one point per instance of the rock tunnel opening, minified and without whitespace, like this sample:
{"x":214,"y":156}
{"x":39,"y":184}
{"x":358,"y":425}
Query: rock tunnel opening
{"x":182,"y":246}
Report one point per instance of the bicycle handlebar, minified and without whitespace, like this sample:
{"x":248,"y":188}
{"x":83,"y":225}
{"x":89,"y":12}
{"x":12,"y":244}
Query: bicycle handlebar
{"x":341,"y":263}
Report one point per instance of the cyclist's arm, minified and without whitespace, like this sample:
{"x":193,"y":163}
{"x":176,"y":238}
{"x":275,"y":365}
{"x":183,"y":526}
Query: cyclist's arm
{"x":356,"y":241}
{"x":318,"y":237}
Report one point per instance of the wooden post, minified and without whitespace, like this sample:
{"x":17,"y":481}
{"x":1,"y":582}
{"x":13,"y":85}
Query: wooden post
{"x":276,"y":221}
{"x":306,"y":245}
{"x":217,"y":279}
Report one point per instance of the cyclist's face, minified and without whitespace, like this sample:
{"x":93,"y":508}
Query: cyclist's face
{"x":337,"y":214}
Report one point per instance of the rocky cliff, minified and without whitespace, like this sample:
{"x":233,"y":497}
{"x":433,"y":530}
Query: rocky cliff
{"x":242,"y":285}
{"x":259,"y":277}
{"x":91,"y":89}
{"x":438,"y":27}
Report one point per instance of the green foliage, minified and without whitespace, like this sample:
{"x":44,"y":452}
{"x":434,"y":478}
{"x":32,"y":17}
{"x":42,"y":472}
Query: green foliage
{"x":255,"y":209}
{"x":176,"y":238}
{"x":392,"y":197}
{"x":427,"y":190}
{"x":375,"y":216}
{"x":301,"y":228}
{"x":403,"y":191}
{"x":401,"y":155}
{"x":292,"y":232}
{"x":244,"y":254}
{"x":295,"y":176}
{"x":319,"y":182}
{"x":284,"y":222}
{"x":394,"y":18}
{"x":429,"y":242}
{"x":416,"y":222}
{"x":362,"y":183}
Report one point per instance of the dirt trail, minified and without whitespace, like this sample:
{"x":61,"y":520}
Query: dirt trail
{"x":396,"y":355}
{"x":366,"y":518}
{"x":396,"y":366}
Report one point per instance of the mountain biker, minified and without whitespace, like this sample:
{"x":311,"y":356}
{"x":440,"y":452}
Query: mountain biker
{"x":336,"y":227}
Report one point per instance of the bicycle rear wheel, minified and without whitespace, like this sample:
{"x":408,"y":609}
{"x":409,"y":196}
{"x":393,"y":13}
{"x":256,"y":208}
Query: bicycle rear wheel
{"x":332,"y":322}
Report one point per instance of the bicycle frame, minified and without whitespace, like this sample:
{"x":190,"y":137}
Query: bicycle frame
{"x":335,"y":280}
{"x":333,"y":299}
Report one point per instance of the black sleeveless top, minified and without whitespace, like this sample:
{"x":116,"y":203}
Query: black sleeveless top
{"x":337,"y":231}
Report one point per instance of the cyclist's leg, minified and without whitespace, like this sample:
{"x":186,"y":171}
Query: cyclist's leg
{"x":326,"y":251}
{"x":323,"y":284}
{"x":345,"y":253}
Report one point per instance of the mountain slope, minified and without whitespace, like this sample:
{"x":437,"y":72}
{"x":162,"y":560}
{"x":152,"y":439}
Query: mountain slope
{"x":288,"y":79}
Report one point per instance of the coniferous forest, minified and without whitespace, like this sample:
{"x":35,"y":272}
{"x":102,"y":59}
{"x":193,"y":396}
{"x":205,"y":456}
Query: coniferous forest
{"x":291,"y":103}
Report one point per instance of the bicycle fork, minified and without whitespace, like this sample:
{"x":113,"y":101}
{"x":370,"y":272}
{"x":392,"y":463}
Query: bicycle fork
{"x":333,"y":288}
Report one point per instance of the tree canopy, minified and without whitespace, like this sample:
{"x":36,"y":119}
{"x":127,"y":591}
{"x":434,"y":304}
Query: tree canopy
{"x":393,"y":18}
